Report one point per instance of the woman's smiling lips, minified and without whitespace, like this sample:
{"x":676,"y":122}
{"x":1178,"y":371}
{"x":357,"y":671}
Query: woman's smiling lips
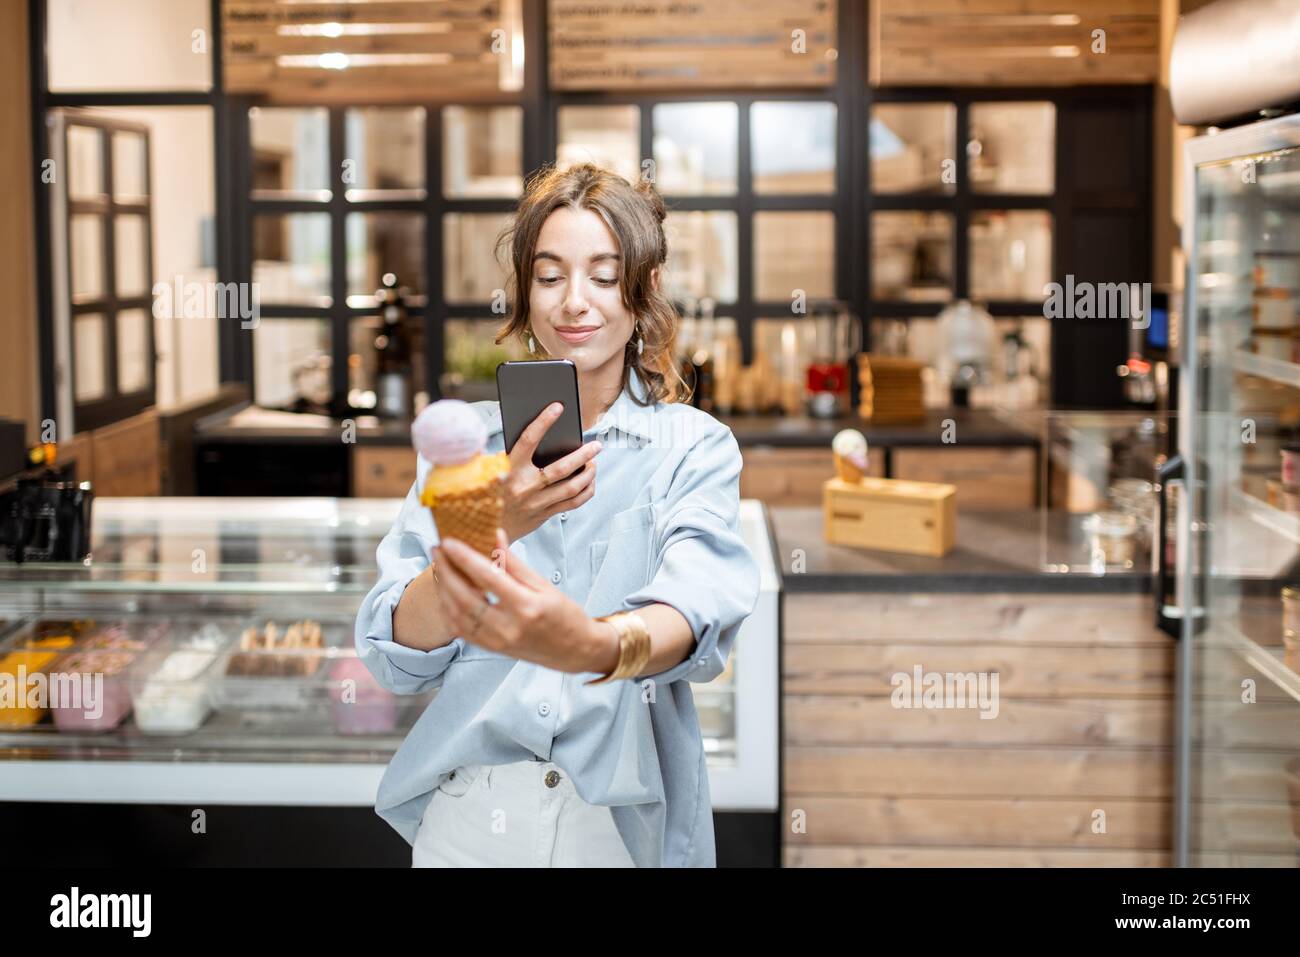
{"x":576,"y":333}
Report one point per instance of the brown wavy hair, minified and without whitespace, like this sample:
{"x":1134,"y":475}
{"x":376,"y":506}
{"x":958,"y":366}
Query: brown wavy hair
{"x":635,"y":216}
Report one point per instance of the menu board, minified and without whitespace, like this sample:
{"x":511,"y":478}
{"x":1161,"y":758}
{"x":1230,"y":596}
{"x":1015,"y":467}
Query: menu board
{"x":378,"y":51}
{"x":691,"y":44}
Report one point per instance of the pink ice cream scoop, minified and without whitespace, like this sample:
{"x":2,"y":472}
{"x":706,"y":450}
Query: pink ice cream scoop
{"x":449,"y":432}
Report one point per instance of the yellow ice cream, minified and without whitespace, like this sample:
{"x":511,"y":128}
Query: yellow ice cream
{"x":453,"y":479}
{"x":34,"y":657}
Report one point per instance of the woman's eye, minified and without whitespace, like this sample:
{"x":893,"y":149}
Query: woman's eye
{"x":604,"y":280}
{"x":548,"y":280}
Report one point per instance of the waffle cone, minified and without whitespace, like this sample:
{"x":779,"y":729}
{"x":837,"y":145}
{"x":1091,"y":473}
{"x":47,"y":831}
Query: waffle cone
{"x":471,"y":516}
{"x":846,"y":470}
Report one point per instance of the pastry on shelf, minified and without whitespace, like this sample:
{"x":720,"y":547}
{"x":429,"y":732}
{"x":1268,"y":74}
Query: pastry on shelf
{"x":269,"y":652}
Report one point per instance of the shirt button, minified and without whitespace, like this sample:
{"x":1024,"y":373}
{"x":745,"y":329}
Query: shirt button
{"x":552,"y":778}
{"x":544,"y":709}
{"x":564,"y":516}
{"x":555,"y":577}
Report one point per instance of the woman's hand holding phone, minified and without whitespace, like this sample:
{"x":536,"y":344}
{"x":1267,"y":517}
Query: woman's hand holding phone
{"x":533,"y":495}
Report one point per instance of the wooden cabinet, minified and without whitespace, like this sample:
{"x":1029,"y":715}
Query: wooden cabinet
{"x":126,"y":457}
{"x":986,"y":478}
{"x":382,"y":471}
{"x":780,"y":476}
{"x":1068,"y":763}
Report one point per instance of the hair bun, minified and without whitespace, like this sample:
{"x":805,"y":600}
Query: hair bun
{"x":646,"y":189}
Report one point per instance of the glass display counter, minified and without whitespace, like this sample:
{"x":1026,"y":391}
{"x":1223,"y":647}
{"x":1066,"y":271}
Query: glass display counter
{"x":204,"y":652}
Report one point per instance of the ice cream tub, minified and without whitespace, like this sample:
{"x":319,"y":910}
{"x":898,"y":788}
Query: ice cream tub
{"x":171,"y":689}
{"x":94,"y":679}
{"x":358,"y":702}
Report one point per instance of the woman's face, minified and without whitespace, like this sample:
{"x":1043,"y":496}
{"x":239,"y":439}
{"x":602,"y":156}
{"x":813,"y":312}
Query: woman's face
{"x":575,"y":305}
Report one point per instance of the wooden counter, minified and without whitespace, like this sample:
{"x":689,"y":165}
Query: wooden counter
{"x":1073,"y":768}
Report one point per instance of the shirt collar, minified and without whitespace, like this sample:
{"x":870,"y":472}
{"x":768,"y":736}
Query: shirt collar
{"x":626,"y":415}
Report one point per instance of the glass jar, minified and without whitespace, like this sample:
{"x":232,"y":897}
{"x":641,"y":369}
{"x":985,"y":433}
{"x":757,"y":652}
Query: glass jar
{"x":1112,"y":540}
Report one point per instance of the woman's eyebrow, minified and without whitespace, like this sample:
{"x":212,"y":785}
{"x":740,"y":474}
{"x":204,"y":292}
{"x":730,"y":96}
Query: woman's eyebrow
{"x":556,"y":257}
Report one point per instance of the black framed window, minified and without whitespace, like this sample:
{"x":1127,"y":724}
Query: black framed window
{"x":752,"y":183}
{"x":333,"y":198}
{"x":107,"y":259}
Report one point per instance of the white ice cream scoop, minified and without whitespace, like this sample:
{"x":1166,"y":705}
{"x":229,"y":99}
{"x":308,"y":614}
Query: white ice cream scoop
{"x":449,"y":432}
{"x":851,"y":445}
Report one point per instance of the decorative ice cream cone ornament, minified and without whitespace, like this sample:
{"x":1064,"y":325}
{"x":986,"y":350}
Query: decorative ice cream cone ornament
{"x":850,"y":450}
{"x":464,"y":489}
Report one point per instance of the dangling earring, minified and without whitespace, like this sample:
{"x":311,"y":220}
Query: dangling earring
{"x":640,"y":345}
{"x":532,"y":346}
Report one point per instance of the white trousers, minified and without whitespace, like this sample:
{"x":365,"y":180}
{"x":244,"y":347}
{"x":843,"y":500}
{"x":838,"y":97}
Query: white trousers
{"x":526,"y":814}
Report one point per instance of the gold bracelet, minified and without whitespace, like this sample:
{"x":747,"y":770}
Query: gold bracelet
{"x":633,"y":646}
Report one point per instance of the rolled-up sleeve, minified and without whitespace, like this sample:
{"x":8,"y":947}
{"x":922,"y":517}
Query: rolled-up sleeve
{"x":704,"y":569}
{"x":402,"y":555}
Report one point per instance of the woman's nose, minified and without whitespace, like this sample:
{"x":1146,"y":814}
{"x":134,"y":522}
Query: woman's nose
{"x":575,"y":304}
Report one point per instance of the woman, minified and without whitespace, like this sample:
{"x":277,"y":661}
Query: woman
{"x":520,"y":760}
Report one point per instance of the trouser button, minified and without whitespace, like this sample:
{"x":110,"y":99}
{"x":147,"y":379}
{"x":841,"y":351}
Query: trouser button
{"x":552,"y":778}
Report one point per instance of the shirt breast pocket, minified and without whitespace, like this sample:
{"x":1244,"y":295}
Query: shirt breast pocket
{"x":620,"y":562}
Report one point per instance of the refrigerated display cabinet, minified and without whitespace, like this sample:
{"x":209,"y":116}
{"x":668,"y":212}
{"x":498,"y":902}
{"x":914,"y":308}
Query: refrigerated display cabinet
{"x":223,"y":629}
{"x":1238,"y":539}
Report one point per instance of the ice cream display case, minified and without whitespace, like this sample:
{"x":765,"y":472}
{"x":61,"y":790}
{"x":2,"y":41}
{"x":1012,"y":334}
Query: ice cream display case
{"x":204,"y":653}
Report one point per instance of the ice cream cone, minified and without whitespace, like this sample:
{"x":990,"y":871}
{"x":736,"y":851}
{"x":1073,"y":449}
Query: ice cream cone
{"x":464,"y":489}
{"x":849,"y":448}
{"x":472,"y":516}
{"x":846,"y":470}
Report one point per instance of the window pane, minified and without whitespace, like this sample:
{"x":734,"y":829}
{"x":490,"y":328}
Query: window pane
{"x":471,"y":272}
{"x":290,"y":151}
{"x":291,"y":258}
{"x":1012,"y":148}
{"x":384,"y":150}
{"x":702,"y":255}
{"x":695,"y":148}
{"x":472,"y":358}
{"x":794,"y":251}
{"x":182,"y":221}
{"x":912,"y":145}
{"x":291,"y":361}
{"x":384,"y":242}
{"x":609,"y":136}
{"x":88,"y":344}
{"x":132,"y":350}
{"x":911,"y":256}
{"x":85,"y":162}
{"x":482,"y":151}
{"x":131,"y":249}
{"x":129,"y":45}
{"x":87,"y":242}
{"x":793,"y":147}
{"x":130,"y":179}
{"x":362,"y":360}
{"x":1010,"y":254}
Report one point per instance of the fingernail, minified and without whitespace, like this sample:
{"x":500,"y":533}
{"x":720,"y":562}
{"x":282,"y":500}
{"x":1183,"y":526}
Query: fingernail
{"x":555,"y":408}
{"x":599,"y":445}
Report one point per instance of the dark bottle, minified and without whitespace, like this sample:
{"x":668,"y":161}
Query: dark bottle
{"x":702,"y":358}
{"x":392,"y":353}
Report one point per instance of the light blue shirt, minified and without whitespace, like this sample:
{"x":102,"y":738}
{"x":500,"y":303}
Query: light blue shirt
{"x":663,"y":526}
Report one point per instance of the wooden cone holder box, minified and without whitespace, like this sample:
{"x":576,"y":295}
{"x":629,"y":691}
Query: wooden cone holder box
{"x":892,"y":515}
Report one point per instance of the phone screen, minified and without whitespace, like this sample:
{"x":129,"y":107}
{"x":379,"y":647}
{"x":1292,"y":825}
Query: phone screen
{"x":527,"y":387}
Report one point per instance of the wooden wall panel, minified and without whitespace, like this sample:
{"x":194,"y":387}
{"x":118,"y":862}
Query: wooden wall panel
{"x":1012,"y":42}
{"x":395,"y":50}
{"x":666,"y":44}
{"x":1084,"y":723}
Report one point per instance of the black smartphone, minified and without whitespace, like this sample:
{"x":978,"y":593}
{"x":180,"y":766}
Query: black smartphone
{"x":527,"y":387}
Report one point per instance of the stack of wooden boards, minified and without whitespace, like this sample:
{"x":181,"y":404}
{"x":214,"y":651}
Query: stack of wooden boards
{"x":890,"y":389}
